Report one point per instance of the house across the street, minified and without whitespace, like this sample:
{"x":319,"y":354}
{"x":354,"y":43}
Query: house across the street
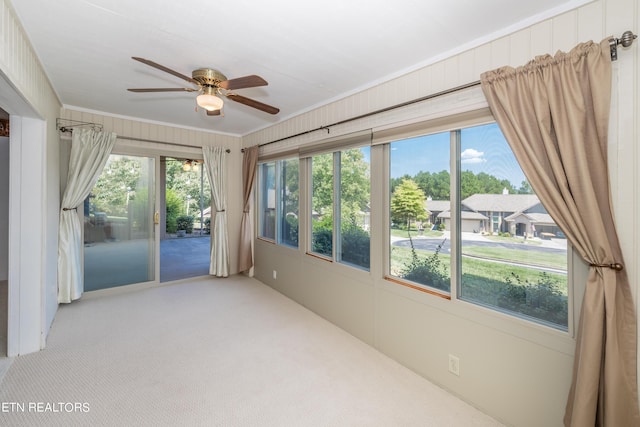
{"x":516,"y":214}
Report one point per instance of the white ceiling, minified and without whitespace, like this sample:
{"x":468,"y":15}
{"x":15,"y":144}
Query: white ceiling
{"x":311,"y":53}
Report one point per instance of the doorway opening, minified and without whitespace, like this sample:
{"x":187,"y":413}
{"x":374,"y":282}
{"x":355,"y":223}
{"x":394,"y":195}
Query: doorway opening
{"x":123,"y":246}
{"x":185,"y":227}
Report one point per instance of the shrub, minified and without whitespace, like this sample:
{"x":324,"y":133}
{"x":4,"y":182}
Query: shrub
{"x":173,"y":205}
{"x":207,"y":225}
{"x":185,"y":222}
{"x":355,"y":245}
{"x":290,"y":230}
{"x":427,"y":271}
{"x":322,"y":240}
{"x":542,"y":299}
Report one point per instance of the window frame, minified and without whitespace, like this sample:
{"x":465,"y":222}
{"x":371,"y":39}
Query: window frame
{"x":336,"y":150}
{"x":309,"y":247}
{"x":576,"y":268}
{"x":263,"y":197}
{"x":278,"y":201}
{"x":445,"y":113}
{"x":281,"y":186}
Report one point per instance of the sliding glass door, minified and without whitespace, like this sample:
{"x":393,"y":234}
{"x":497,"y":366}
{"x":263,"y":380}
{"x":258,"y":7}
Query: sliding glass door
{"x":119,"y":224}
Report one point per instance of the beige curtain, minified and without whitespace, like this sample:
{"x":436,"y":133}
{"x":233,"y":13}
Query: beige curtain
{"x":249,"y":165}
{"x":90,"y":151}
{"x":215,"y":166}
{"x":554,"y":112}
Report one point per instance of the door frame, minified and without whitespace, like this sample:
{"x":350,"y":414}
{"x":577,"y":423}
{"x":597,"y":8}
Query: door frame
{"x":157,"y":151}
{"x":136,"y":152}
{"x":29,"y":308}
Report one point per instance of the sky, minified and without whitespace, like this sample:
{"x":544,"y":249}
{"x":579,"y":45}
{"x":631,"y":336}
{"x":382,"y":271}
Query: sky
{"x":483,"y":149}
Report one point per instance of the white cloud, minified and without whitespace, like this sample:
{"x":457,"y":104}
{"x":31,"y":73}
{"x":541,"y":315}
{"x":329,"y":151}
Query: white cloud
{"x":472,"y":156}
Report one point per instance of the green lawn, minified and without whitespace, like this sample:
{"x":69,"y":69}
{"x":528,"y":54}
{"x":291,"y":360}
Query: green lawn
{"x":537,"y":258}
{"x":518,"y":240}
{"x":493,"y":271}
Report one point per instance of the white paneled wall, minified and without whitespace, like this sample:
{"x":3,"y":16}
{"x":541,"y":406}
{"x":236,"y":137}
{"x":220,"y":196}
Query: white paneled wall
{"x":133,"y":128}
{"x":28,"y":96}
{"x":20,"y":64}
{"x":518,"y":379}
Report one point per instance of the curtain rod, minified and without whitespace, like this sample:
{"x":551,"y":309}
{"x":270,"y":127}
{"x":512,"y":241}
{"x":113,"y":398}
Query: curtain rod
{"x":67,"y":125}
{"x":625,"y":40}
{"x":95,"y":126}
{"x":131,"y":138}
{"x":381,"y":110}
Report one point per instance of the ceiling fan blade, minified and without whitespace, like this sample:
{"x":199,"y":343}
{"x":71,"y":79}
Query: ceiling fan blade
{"x":253,"y":103}
{"x":243,"y":82}
{"x":165,"y":69}
{"x":164,"y":89}
{"x":213,"y":113}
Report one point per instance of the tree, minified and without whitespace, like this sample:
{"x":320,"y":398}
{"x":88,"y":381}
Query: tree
{"x":355,"y":183}
{"x":489,"y":184}
{"x":322,"y":195}
{"x":469,"y":184}
{"x":525,"y":188}
{"x":354,"y":198}
{"x":407,"y":202}
{"x":116,"y":186}
{"x":186,"y":185}
{"x":291,"y":181}
{"x":438,"y":187}
{"x":397,"y":181}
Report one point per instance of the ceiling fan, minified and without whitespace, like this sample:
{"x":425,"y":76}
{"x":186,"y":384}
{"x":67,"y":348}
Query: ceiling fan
{"x":211,"y":84}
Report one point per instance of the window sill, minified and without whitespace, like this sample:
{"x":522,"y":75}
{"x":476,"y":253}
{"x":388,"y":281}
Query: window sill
{"x":417,"y":287}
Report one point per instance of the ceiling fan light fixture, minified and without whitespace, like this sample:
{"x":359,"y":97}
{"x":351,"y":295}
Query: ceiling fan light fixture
{"x":212,"y":85}
{"x":208,"y":100}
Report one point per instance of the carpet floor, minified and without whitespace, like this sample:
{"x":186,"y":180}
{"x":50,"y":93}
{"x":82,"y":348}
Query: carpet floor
{"x":214,"y":352}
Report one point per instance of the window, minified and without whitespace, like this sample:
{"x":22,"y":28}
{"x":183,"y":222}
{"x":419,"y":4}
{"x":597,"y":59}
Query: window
{"x":511,"y":256}
{"x":420,"y":201}
{"x":355,"y":184}
{"x":278,"y":201}
{"x":351,"y":182}
{"x":289,"y":201}
{"x":322,"y":204}
{"x":267,"y":202}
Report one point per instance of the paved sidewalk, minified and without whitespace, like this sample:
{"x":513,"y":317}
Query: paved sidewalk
{"x":184,"y":257}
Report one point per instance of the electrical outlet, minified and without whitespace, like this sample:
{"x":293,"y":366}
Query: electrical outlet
{"x":454,"y":365}
{"x":275,"y":274}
